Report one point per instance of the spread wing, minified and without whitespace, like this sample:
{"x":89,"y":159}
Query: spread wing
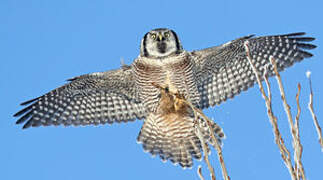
{"x":224,"y":71}
{"x":96,"y":98}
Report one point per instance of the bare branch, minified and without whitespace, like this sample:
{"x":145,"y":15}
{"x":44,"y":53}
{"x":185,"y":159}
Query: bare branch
{"x":298,"y":149}
{"x":219,"y":150}
{"x":216,"y":145}
{"x":283,"y":96}
{"x":205,"y":150}
{"x":204,"y":145}
{"x":310,"y":107}
{"x":293,"y":127}
{"x":273,"y":120}
{"x":199,"y":172}
{"x":246,"y":46}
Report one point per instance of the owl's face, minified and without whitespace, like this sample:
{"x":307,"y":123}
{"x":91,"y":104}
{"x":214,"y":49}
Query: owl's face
{"x":160,"y":42}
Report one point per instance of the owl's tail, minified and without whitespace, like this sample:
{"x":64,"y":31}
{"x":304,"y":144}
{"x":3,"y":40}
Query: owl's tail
{"x":174,"y":137}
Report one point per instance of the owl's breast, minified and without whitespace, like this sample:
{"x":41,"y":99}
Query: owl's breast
{"x":177,"y":74}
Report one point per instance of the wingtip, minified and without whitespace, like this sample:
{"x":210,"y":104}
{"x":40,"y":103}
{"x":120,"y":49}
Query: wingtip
{"x":311,"y":38}
{"x":23,"y":111}
{"x":24,"y":117}
{"x":313,"y":46}
{"x":29,"y":101}
{"x":21,"y":120}
{"x":306,"y":54}
{"x":27,"y":125}
{"x":18,"y":123}
{"x":71,"y":79}
{"x":296,"y":34}
{"x":15,"y":115}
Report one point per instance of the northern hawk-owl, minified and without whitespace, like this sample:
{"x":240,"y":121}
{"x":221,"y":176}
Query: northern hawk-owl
{"x":204,"y":77}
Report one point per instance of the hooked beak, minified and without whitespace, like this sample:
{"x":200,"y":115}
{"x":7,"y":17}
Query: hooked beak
{"x":160,"y":37}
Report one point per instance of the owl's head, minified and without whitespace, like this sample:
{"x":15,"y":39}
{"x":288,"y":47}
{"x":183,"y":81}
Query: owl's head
{"x":160,"y":42}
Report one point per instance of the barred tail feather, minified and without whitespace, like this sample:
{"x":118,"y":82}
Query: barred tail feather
{"x":174,"y":137}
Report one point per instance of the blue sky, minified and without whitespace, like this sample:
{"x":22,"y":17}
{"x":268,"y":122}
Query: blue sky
{"x":43,"y":43}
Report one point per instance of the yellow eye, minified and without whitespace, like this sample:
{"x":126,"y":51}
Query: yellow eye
{"x":166,"y":34}
{"x":153,"y":36}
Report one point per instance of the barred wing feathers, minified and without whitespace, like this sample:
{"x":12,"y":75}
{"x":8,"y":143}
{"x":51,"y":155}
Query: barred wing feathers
{"x":96,"y":98}
{"x":224,"y":70}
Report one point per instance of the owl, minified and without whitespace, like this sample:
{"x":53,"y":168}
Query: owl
{"x":145,"y":90}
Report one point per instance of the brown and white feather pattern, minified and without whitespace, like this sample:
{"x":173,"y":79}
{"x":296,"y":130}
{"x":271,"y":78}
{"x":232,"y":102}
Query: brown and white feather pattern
{"x":177,"y":72}
{"x":171,"y":132}
{"x":224,"y":71}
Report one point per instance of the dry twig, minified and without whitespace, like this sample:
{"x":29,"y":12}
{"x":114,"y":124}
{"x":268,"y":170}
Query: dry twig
{"x":310,"y":107}
{"x":283,"y":97}
{"x":273,"y":120}
{"x":205,"y":150}
{"x":293,"y":127}
{"x":204,"y":144}
{"x":199,"y":172}
{"x":216,"y":144}
{"x":298,"y":149}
